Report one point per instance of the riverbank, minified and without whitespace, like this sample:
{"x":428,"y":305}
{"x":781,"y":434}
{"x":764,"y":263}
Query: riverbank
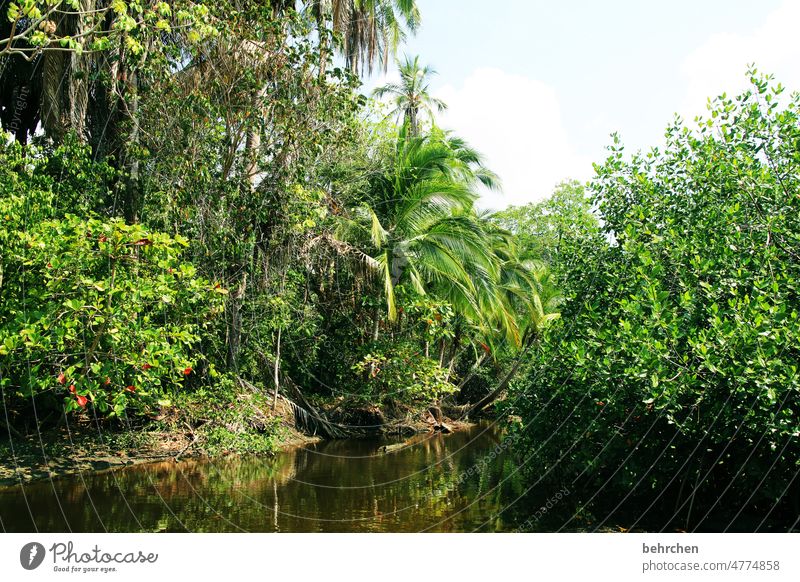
{"x":85,"y":445}
{"x":81,"y":449}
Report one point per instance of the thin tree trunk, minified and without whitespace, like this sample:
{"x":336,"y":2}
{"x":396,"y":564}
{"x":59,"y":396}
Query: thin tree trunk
{"x":494,"y":394}
{"x":454,"y":350}
{"x":277,"y":371}
{"x":253,"y":140}
{"x":234,"y":331}
{"x":375,"y":334}
{"x":324,"y":43}
{"x":132,"y":201}
{"x":472,"y":372}
{"x":450,"y":367}
{"x":453,"y":357}
{"x":376,"y":326}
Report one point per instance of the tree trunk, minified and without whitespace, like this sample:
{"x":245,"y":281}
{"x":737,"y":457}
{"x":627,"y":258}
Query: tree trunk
{"x":234,"y":331}
{"x":78,"y":88}
{"x":65,"y":81}
{"x":376,"y":326}
{"x":456,"y":343}
{"x":324,"y":43}
{"x":492,"y":396}
{"x":277,"y":371}
{"x":411,"y":117}
{"x":376,"y":329}
{"x":253,"y":140}
{"x":472,"y":372}
{"x":132,"y":198}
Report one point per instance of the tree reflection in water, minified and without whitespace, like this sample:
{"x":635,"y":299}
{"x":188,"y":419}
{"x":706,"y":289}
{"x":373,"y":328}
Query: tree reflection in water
{"x":438,"y":483}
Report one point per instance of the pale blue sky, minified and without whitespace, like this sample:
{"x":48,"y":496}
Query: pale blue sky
{"x":538,"y":86}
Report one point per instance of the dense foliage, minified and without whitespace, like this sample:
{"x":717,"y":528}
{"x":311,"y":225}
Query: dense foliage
{"x":94,"y":311}
{"x":549,"y":231}
{"x":202,"y":219}
{"x":673,"y":376}
{"x":211,"y":203}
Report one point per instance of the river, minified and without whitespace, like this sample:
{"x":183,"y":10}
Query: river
{"x":460,"y":482}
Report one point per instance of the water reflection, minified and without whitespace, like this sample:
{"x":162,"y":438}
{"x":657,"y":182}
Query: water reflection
{"x":446,"y":483}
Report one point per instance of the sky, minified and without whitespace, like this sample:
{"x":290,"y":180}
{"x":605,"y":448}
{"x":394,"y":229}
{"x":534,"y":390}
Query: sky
{"x":538,"y":87}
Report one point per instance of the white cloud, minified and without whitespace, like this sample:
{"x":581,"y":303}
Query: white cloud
{"x":515,"y":121}
{"x":721,"y":62}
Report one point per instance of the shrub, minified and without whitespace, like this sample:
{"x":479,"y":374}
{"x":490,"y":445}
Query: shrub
{"x":674,"y":374}
{"x":400,"y":372}
{"x":96,"y":313}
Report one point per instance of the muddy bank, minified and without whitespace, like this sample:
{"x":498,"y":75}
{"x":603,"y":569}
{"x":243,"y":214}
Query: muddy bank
{"x":80,"y":450}
{"x":84,"y":447}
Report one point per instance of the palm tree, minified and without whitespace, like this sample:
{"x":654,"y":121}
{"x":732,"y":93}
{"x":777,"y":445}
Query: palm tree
{"x":369,"y":31}
{"x":420,"y":225}
{"x":529,"y":300}
{"x":420,"y":229}
{"x":526,"y":286}
{"x":411,"y":97}
{"x":50,"y":84}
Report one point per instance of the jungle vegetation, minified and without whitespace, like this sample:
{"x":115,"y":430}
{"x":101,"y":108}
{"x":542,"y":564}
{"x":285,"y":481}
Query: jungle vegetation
{"x":198,"y":196}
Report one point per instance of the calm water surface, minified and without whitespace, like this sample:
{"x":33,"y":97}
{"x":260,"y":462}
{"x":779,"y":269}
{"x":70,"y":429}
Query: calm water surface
{"x":450,"y":483}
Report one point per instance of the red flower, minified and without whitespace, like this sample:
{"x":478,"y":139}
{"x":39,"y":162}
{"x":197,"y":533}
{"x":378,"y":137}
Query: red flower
{"x":131,"y":389}
{"x":62,"y":378}
{"x":107,"y":382}
{"x":146,"y":367}
{"x":82,"y":400}
{"x":72,"y":388}
{"x":187,"y":371}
